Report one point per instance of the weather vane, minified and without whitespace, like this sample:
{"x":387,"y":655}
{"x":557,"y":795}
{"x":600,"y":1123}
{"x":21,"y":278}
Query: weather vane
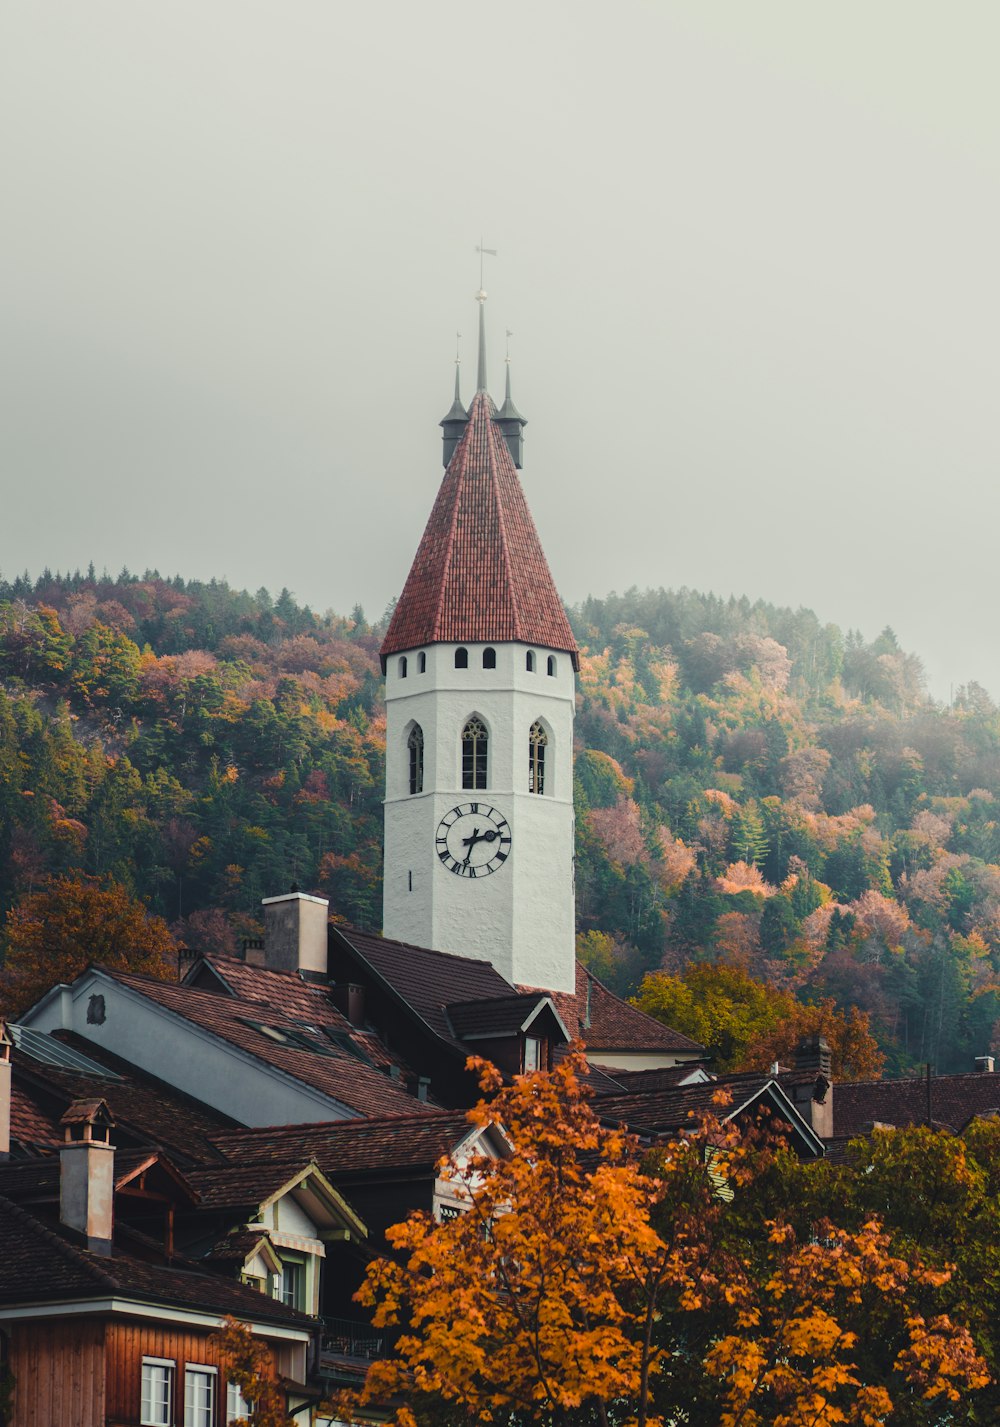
{"x":458,"y":349}
{"x":509,"y":336}
{"x":483,"y":254}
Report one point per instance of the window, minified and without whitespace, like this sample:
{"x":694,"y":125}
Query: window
{"x":532,"y":1053}
{"x":415,"y":747}
{"x":402,"y":667}
{"x":489,"y":658}
{"x":156,"y":1406}
{"x":421,"y":663}
{"x":236,"y":1403}
{"x":461,"y":658}
{"x":199,"y":1396}
{"x":475,"y":745}
{"x":529,"y":661}
{"x":551,"y":665}
{"x":537,"y":743}
{"x":293,"y":1283}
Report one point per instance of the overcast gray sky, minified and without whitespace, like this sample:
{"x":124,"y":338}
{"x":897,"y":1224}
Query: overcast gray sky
{"x":748,"y":253}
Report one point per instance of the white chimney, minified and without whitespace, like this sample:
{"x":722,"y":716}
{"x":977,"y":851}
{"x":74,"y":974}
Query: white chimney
{"x":295,"y":933}
{"x":87,"y":1173}
{"x":985,"y":1063}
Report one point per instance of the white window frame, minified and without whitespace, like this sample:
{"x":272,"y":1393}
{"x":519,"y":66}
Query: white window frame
{"x":532,"y":1053}
{"x":301,"y":1266}
{"x":156,"y":1412}
{"x":195,"y":1414}
{"x":236,"y":1403}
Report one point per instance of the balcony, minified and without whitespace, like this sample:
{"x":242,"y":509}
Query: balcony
{"x":347,"y":1347}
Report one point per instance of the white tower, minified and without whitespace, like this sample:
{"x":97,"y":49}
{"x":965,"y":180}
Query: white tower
{"x":479,"y":661}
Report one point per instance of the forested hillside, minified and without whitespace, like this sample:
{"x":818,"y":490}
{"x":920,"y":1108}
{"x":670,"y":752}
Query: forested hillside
{"x":751,"y":784}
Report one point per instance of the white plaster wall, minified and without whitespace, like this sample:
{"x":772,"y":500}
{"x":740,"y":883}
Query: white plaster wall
{"x":522,"y":918}
{"x":622,"y":1060}
{"x":185,"y":1056}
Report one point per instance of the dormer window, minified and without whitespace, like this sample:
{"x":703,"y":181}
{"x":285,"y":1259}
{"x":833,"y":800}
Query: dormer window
{"x":489,"y":658}
{"x":461,"y":658}
{"x":533,"y":1053}
{"x":402,"y":667}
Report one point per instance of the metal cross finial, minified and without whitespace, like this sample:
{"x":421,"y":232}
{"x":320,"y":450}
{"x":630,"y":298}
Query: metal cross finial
{"x":483,"y":253}
{"x":509,"y":336}
{"x":458,"y":348}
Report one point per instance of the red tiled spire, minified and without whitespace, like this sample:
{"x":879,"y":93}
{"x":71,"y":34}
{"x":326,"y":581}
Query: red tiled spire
{"x":479,"y":575}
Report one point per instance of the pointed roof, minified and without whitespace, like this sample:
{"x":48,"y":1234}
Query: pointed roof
{"x":479,"y":575}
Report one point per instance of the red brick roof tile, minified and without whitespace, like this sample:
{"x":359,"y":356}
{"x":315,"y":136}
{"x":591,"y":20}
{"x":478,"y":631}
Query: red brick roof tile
{"x":479,"y":575}
{"x":346,"y":1147}
{"x":328,"y":1068}
{"x":954,"y":1101}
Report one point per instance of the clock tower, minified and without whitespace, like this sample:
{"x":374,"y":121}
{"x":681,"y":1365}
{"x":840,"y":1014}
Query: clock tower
{"x":480,"y":668}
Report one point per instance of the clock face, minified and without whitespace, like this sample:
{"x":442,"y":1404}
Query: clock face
{"x":473,"y":840}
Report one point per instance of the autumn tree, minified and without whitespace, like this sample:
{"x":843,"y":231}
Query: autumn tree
{"x":249,"y":1364}
{"x":53,"y":935}
{"x":586,"y":1283}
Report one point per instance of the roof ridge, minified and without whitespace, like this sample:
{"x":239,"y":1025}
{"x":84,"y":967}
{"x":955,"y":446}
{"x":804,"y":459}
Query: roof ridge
{"x":449,"y":956}
{"x":504,"y":542}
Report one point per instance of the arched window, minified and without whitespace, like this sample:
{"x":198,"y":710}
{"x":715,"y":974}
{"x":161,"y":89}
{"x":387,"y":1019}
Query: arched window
{"x":461,"y":658}
{"x":529,"y":661}
{"x":402,"y":667}
{"x":538,"y":741}
{"x":421,"y":663}
{"x":489,"y":658}
{"x":415,"y":748}
{"x":475,"y":749}
{"x":551,"y":668}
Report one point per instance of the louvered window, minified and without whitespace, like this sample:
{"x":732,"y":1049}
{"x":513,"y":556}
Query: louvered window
{"x":415,"y":748}
{"x":538,"y":741}
{"x":475,"y":751}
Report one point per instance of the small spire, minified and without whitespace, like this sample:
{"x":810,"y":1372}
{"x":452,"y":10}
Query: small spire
{"x":481,"y":371}
{"x":509,"y":419}
{"x":455,"y":421}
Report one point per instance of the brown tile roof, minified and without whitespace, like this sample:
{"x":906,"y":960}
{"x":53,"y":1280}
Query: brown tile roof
{"x":954,"y":1101}
{"x":499,"y":1016}
{"x":479,"y":574}
{"x":284,"y":989}
{"x":242,"y":1186}
{"x":38,"y":1264}
{"x":427,"y":981}
{"x":144,"y":1108}
{"x":615,"y":1025}
{"x":348,"y":1147}
{"x":314,"y":1060}
{"x":659,"y":1111}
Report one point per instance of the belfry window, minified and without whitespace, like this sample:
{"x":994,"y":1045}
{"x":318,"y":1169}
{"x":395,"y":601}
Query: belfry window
{"x":489,"y":658}
{"x":475,"y":751}
{"x":551,"y":668}
{"x":538,"y":741}
{"x":402,"y":667}
{"x":421,"y":663}
{"x":415,"y":748}
{"x":529,"y":661}
{"x":461,"y":658}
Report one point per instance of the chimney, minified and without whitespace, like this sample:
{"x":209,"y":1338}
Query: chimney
{"x":423,"y":1087}
{"x":5,"y":1090}
{"x":813,"y":1098}
{"x":295,"y":937}
{"x":87,"y":1173}
{"x":349,"y":999}
{"x":985,"y":1063}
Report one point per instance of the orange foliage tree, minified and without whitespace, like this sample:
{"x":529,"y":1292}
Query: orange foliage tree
{"x":248,"y":1363}
{"x":587,"y":1283}
{"x":53,"y":935}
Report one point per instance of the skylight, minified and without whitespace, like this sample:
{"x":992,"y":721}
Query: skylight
{"x":49,"y":1051}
